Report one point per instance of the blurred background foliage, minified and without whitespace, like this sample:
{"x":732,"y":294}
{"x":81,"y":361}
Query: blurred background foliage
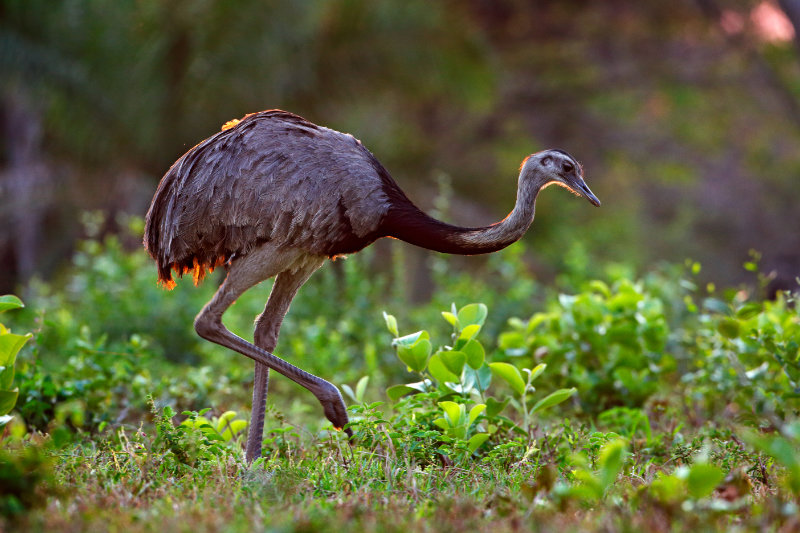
{"x":685,"y":114}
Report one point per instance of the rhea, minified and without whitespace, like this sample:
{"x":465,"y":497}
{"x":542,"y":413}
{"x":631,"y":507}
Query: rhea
{"x":273,"y":195}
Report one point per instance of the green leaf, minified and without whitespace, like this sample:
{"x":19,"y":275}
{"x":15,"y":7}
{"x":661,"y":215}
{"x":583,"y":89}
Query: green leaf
{"x":668,"y":489}
{"x":396,"y":392}
{"x":536,"y":372}
{"x":510,"y":374}
{"x":729,"y":328}
{"x":225,"y":417}
{"x":361,"y":388}
{"x":472,"y":314}
{"x":512,"y":342}
{"x":455,"y":413}
{"x":483,"y":377}
{"x":552,"y":399}
{"x":8,"y":399}
{"x":347,"y":390}
{"x":781,"y":449}
{"x":610,"y":460}
{"x":411,"y":339}
{"x":703,"y":479}
{"x":748,"y":311}
{"x":9,"y":301}
{"x":237,"y":426}
{"x":6,"y":377}
{"x":10,"y":345}
{"x":415,"y":356}
{"x":454,"y":361}
{"x":476,"y":441}
{"x":475,"y":353}
{"x":493,"y":406}
{"x":469,"y":331}
{"x":391,"y":324}
{"x":439,"y":369}
{"x":451,"y":319}
{"x":442,"y":423}
{"x":601,"y":287}
{"x":475,"y":412}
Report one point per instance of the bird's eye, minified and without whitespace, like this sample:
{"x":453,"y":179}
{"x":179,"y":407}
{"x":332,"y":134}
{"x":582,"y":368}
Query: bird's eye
{"x":566,"y":166}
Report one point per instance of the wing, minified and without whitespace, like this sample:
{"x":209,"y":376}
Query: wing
{"x":272,"y":177}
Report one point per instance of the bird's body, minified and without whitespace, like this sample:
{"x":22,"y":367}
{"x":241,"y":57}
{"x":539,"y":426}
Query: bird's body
{"x":275,"y":195}
{"x":274,"y":177}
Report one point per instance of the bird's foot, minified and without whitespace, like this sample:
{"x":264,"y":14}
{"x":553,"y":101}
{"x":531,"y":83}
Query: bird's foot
{"x":335,"y":410}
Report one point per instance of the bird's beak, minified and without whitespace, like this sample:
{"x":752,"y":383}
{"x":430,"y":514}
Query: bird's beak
{"x":584,"y":190}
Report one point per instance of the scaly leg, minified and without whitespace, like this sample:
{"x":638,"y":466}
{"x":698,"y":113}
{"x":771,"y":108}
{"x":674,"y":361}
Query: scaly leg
{"x":268,"y":325}
{"x":245,"y":272}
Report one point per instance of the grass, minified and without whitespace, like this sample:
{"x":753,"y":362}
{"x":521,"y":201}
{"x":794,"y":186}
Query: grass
{"x":325,"y":485}
{"x":614,"y":403}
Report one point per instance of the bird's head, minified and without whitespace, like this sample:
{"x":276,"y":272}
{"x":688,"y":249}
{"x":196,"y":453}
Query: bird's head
{"x":557,"y":167}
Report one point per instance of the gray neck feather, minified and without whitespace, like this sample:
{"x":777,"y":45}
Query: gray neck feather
{"x":409,"y":224}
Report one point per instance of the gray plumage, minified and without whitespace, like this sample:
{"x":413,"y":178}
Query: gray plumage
{"x":273,"y":177}
{"x":273,"y":195}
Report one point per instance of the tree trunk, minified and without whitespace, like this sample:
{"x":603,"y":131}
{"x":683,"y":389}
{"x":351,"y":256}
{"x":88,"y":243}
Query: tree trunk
{"x":24,"y":181}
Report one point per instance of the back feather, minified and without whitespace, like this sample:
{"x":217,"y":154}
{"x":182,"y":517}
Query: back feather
{"x":272,"y":176}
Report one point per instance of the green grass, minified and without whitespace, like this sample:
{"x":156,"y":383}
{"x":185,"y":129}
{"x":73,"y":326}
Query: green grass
{"x":609,"y":404}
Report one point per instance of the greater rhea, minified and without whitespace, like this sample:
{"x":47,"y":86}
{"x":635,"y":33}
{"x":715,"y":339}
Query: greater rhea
{"x":273,"y":195}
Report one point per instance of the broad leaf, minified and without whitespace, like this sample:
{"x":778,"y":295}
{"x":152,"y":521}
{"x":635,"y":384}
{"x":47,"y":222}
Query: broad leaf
{"x":8,"y":398}
{"x":391,"y":324}
{"x":536,"y":372}
{"x":347,"y":390}
{"x":599,"y":286}
{"x":610,"y":461}
{"x":6,"y":377}
{"x":415,"y":356}
{"x":475,"y":412}
{"x":729,"y":328}
{"x":226,"y":416}
{"x":467,"y":384}
{"x":510,"y":374}
{"x":454,"y":412}
{"x":442,"y":423}
{"x":411,"y":338}
{"x":472,"y":314}
{"x":396,"y":392}
{"x":493,"y":407}
{"x":552,"y":399}
{"x":10,"y":345}
{"x":361,"y":388}
{"x":234,"y":428}
{"x":748,"y":311}
{"x":9,"y":301}
{"x":703,"y":479}
{"x":476,"y":441}
{"x":439,"y":369}
{"x":451,"y":319}
{"x":454,"y":361}
{"x":483,"y":377}
{"x":475,"y":353}
{"x":469,"y":331}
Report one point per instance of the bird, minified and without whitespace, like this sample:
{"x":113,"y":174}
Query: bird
{"x":273,"y":195}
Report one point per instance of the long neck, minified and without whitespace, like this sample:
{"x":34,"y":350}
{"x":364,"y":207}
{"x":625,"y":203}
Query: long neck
{"x":406,"y":222}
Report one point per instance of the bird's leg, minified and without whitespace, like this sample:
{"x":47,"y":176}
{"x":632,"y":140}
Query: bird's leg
{"x":268,"y":325}
{"x":208,"y":325}
{"x":255,"y":434}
